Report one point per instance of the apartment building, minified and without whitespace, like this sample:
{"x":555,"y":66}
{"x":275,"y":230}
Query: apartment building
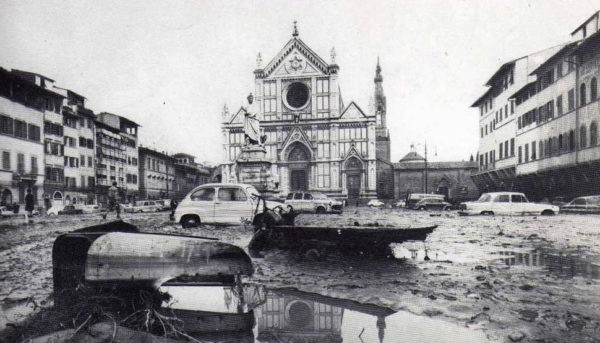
{"x":157,"y":174}
{"x":24,"y":102}
{"x":116,"y":156}
{"x":188,"y":174}
{"x":79,"y":153}
{"x":557,"y":136}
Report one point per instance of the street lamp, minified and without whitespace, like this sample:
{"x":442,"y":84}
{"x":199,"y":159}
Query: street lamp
{"x":426,"y":167}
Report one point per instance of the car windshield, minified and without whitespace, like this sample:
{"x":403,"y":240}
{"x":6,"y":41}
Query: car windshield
{"x":484,"y":198}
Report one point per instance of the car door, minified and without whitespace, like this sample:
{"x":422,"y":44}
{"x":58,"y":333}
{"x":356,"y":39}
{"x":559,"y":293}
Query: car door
{"x":202,"y":204}
{"x":578,"y":205}
{"x":308,"y":203}
{"x":299,"y":202}
{"x":501,"y":204}
{"x":518,"y":204}
{"x":232,"y":206}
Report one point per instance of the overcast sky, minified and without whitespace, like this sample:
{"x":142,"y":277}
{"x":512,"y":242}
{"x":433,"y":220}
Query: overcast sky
{"x":171,"y":65}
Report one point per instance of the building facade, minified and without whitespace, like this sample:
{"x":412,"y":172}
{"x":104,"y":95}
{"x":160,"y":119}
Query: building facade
{"x":313,"y":139}
{"x":188,"y":174}
{"x":157,"y":174}
{"x":414,"y":174}
{"x":116,"y":156}
{"x":23,"y":104}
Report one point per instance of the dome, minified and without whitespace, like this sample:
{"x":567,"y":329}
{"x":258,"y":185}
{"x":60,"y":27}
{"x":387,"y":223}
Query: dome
{"x":412,"y":157}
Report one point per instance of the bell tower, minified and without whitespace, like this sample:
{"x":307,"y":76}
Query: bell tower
{"x":381,"y":132}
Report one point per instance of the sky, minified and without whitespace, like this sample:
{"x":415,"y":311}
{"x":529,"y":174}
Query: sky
{"x":170,"y":66}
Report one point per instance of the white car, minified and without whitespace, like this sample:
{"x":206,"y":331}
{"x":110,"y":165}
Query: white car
{"x":400,"y":203}
{"x":220,"y":203}
{"x":90,"y":208}
{"x":375,"y":203}
{"x":143,"y":206}
{"x":313,"y":202}
{"x":506,"y":203}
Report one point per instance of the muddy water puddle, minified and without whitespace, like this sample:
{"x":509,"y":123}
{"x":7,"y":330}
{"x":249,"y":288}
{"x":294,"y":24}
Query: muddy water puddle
{"x":253,"y":313}
{"x":563,"y":264}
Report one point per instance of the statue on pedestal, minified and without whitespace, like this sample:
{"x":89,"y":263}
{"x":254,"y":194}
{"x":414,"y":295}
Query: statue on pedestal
{"x":252,"y":132}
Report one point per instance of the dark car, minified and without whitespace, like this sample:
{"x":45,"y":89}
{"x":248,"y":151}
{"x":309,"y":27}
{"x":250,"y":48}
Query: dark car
{"x":70,"y":209}
{"x":589,"y":204}
{"x":432,"y":204}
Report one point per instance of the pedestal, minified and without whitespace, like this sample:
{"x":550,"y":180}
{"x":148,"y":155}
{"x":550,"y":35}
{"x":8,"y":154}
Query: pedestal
{"x":253,"y":168}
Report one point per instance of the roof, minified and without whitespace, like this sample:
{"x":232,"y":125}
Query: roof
{"x":480,"y":99}
{"x":23,"y":72}
{"x":182,"y":154}
{"x":586,"y":22}
{"x":147,"y":150}
{"x":503,"y":68}
{"x":297,"y":43}
{"x":522,"y":89}
{"x":420,"y":165}
{"x":565,"y":49}
{"x":412,"y":157}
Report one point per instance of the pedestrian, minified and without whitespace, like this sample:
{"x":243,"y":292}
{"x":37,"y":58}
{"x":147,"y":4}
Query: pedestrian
{"x":113,"y":193}
{"x":173,"y":208}
{"x":29,"y":203}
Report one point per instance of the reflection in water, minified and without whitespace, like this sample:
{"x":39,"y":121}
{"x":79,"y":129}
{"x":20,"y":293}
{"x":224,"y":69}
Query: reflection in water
{"x":561,"y":263}
{"x":253,"y":314}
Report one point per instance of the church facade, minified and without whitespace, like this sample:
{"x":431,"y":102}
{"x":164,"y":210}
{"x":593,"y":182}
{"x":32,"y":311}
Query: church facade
{"x":314,"y":140}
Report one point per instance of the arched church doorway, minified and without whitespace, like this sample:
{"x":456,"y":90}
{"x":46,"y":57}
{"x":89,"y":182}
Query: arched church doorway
{"x":299,"y":158}
{"x":444,"y":188}
{"x":354,"y":171}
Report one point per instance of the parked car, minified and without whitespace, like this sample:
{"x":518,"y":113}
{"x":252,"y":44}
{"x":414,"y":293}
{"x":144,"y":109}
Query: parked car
{"x":588,"y":204}
{"x":414,"y":198}
{"x":375,"y":203}
{"x":143,"y":206}
{"x":165,"y":204}
{"x":400,"y":203}
{"x":90,"y":208}
{"x":432,"y":204}
{"x":219,"y":203}
{"x":313,"y":202}
{"x":63,"y":209}
{"x":506,"y":203}
{"x":560,"y":201}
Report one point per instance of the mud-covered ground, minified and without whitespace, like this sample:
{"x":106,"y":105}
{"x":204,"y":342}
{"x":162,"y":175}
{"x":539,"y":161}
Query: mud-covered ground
{"x":513,"y":278}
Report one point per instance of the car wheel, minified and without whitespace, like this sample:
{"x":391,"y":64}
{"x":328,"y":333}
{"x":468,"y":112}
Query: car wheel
{"x":422,"y":208}
{"x":487,"y":213}
{"x":189,"y":221}
{"x":320,"y":210}
{"x":547,"y":213}
{"x":140,"y":211}
{"x":447,"y":208}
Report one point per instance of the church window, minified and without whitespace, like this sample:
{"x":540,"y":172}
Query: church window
{"x":322,"y":103}
{"x":270,"y":89}
{"x":323,"y":134}
{"x":323,"y":150}
{"x":297,"y":96}
{"x":322,"y":86}
{"x":323,"y":179}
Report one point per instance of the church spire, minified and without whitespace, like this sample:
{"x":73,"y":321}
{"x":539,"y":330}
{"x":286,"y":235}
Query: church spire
{"x":295,"y":33}
{"x":378,"y":77}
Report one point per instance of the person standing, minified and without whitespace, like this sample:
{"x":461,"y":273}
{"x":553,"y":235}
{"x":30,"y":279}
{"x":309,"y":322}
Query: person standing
{"x":29,"y":203}
{"x":173,"y":208}
{"x":113,"y":205}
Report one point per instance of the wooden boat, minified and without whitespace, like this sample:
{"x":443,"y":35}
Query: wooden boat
{"x":118,"y":254}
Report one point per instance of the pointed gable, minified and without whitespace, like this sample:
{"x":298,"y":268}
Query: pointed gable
{"x":238,"y":117}
{"x":296,"y":135}
{"x":296,"y":58}
{"x":353,"y":111}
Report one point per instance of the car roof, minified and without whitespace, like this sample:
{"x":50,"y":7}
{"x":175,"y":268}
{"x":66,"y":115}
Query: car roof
{"x":214,"y":184}
{"x":589,"y":197}
{"x":504,"y":193}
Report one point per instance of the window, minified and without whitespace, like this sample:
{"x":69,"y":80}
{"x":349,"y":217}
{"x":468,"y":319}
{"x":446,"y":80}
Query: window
{"x":500,"y":150}
{"x":82,"y":161}
{"x":582,"y":136}
{"x":5,"y":160}
{"x":322,"y":86}
{"x":541,"y":149}
{"x":533,"y":154}
{"x":297,"y":196}
{"x":520,"y":157}
{"x":232,"y":194}
{"x":502,"y":198}
{"x":90,"y":162}
{"x":20,"y":129}
{"x":571,"y":99}
{"x":323,"y":150}
{"x":33,"y":132}
{"x":518,"y":198}
{"x":560,"y":142}
{"x":559,"y":109}
{"x":505,"y":111}
{"x":512,"y":147}
{"x":323,"y":180}
{"x":20,"y":163}
{"x":34,"y":165}
{"x":506,"y":148}
{"x":593,"y":134}
{"x":527,"y":152}
{"x":582,"y":95}
{"x":593,"y":89}
{"x":481,"y":129}
{"x":90,"y":144}
{"x":203,"y":194}
{"x":308,"y":196}
{"x":6,"y":125}
{"x":571,"y":140}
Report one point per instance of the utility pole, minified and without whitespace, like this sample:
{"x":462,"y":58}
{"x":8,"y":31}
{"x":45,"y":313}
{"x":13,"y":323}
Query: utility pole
{"x":426,"y":176}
